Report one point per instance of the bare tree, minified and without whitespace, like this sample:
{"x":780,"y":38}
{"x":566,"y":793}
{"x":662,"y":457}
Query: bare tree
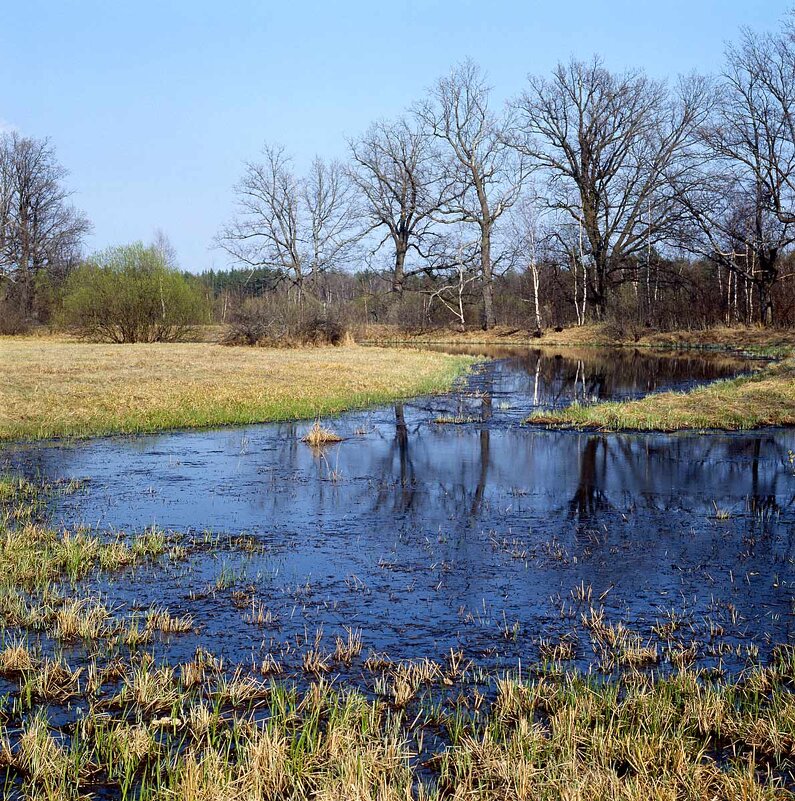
{"x":267,"y":230}
{"x":486,"y":175}
{"x":329,"y":203}
{"x":770,"y":58}
{"x":607,"y":145}
{"x":40,"y":232}
{"x":739,"y":190}
{"x":527,"y":236}
{"x":393,"y":170}
{"x":161,"y":242}
{"x":300,"y":226}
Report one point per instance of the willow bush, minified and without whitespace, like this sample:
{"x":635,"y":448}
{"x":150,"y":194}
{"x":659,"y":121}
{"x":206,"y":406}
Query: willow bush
{"x":129,"y":294}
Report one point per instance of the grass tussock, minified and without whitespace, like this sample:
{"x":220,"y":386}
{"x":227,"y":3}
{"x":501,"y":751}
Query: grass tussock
{"x":319,"y":435}
{"x":766,"y":398}
{"x":56,"y":388}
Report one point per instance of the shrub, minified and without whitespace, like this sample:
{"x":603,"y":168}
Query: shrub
{"x":129,"y":294}
{"x":278,"y":321}
{"x":12,"y":319}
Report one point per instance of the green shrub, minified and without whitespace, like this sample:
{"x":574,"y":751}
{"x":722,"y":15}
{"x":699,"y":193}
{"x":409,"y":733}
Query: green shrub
{"x":129,"y":294}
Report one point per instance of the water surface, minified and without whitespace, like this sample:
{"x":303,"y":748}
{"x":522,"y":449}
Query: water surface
{"x":430,"y":536}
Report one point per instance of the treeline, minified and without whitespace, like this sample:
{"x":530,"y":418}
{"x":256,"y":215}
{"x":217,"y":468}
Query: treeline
{"x":684,"y":294}
{"x":611,"y":191}
{"x":590,"y":195}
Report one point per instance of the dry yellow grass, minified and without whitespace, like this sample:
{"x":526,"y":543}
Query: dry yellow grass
{"x":56,"y":387}
{"x":595,"y":334}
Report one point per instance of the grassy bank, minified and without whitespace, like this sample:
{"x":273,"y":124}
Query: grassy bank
{"x":595,"y":335}
{"x":55,"y":388}
{"x":766,"y":398}
{"x":90,"y":712}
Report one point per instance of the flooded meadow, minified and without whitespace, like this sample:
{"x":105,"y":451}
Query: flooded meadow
{"x":445,"y":523}
{"x":441,"y":532}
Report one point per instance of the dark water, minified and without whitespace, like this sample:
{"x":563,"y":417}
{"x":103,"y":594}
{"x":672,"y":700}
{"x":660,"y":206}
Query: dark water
{"x":429,"y":537}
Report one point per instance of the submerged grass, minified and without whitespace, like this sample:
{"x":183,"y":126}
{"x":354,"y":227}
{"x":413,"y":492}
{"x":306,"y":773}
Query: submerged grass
{"x":233,"y":737}
{"x":116,"y":725}
{"x":56,"y":388}
{"x":765,"y":398}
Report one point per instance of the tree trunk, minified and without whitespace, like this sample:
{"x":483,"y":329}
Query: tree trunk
{"x":399,"y":273}
{"x":600,"y":288}
{"x":765,"y":304}
{"x":489,"y":320}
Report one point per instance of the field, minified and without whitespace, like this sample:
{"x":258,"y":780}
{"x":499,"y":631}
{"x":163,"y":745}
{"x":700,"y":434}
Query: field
{"x":58,"y":388}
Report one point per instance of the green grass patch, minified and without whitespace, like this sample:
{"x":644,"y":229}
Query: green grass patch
{"x":765,"y":398}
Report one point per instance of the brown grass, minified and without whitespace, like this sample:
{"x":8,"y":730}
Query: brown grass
{"x":318,"y":435}
{"x":717,"y":337}
{"x":57,"y":387}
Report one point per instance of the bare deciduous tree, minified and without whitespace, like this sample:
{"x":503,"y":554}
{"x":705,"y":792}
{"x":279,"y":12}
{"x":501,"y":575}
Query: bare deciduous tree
{"x":40,"y":232}
{"x":739,"y":189}
{"x":393,"y":170}
{"x":266,"y":231}
{"x":328,"y":201}
{"x":527,"y":236}
{"x":607,"y":144}
{"x":298,"y":226}
{"x":486,"y":175}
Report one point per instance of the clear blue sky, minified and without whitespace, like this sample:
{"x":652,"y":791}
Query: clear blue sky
{"x":153,"y":106}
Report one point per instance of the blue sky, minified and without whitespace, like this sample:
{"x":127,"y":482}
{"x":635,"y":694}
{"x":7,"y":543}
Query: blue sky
{"x":153,"y":106}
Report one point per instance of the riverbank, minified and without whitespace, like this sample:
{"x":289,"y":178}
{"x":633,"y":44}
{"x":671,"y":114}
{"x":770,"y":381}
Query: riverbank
{"x":747,"y":338}
{"x":58,"y":387}
{"x":765,"y":398}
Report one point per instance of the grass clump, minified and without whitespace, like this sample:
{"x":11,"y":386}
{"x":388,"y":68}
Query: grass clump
{"x":319,"y":435}
{"x":228,"y":735}
{"x":57,"y":388}
{"x":765,"y":398}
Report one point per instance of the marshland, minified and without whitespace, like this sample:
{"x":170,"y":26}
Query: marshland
{"x":378,"y":424}
{"x":404,"y":606}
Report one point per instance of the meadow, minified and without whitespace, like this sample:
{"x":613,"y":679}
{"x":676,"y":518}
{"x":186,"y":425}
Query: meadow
{"x":64,"y":388}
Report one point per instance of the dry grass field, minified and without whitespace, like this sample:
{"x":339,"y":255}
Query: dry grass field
{"x":57,"y":387}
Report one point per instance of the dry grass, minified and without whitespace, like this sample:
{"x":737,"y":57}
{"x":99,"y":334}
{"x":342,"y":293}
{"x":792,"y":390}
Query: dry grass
{"x":717,"y":337}
{"x":319,"y":435}
{"x":56,"y":387}
{"x":766,"y":398}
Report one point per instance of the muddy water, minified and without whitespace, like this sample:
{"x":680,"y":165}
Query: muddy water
{"x":430,"y":536}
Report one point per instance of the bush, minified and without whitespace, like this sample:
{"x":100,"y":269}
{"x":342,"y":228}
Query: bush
{"x":129,"y":294}
{"x":279,"y":322}
{"x":12,"y":319}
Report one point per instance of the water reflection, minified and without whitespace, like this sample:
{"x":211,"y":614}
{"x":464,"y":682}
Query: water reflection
{"x":434,"y":519}
{"x":552,"y":377}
